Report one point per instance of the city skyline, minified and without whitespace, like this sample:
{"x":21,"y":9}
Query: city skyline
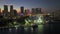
{"x":46,"y":4}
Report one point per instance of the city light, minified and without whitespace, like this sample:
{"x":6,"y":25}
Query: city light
{"x":27,"y":23}
{"x":39,"y":20}
{"x":10,"y":29}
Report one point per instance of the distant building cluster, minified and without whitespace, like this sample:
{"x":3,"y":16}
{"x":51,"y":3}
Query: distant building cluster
{"x":13,"y":12}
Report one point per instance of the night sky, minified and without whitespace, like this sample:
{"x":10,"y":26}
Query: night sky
{"x":49,"y":4}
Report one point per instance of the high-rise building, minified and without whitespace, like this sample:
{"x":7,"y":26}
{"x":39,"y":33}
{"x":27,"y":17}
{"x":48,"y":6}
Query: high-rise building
{"x":5,"y":11}
{"x":40,"y":10}
{"x":15,"y":12}
{"x":36,"y":10}
{"x":33,"y":11}
{"x":22,"y":9}
{"x":5,"y":7}
{"x":11,"y":7}
{"x":11,"y":10}
{"x":0,"y":11}
{"x":27,"y":12}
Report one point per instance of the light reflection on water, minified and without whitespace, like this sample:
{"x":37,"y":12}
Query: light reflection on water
{"x":10,"y":29}
{"x":18,"y":30}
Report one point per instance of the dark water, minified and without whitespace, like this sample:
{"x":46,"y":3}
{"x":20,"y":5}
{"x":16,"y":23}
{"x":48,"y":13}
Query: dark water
{"x":19,"y":30}
{"x":41,"y":29}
